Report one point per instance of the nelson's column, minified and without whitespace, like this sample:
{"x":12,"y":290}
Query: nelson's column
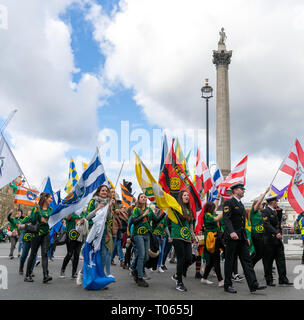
{"x":221,"y":58}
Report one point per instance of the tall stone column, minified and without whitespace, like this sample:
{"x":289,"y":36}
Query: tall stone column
{"x":221,"y":58}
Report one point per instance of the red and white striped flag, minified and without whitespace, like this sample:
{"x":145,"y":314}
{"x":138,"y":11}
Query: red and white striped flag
{"x":238,"y":174}
{"x":26,"y":196}
{"x":203,"y":180}
{"x":294,"y":166}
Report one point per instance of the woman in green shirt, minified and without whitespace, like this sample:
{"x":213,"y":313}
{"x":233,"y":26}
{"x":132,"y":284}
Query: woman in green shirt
{"x":40,"y":214}
{"x":182,"y":235}
{"x":212,"y":225}
{"x":14,"y":222}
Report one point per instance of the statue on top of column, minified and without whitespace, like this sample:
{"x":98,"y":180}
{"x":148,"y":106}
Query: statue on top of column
{"x":223,"y":36}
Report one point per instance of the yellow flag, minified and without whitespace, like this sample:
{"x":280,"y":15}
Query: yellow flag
{"x":163,"y":200}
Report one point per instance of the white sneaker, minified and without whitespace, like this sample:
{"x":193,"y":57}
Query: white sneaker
{"x":160,"y":269}
{"x":205,"y":281}
{"x":79,"y":278}
{"x":221,"y":283}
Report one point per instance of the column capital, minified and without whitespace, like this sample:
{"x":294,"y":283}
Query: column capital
{"x":222,"y":57}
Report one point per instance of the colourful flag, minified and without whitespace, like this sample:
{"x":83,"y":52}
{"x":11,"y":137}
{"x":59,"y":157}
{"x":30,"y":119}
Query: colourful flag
{"x":26,"y":196}
{"x":279,"y":193}
{"x":217,"y":180}
{"x":181,"y":158}
{"x":238,"y":174}
{"x":126,"y":197}
{"x":203,"y":180}
{"x":294,"y":166}
{"x":173,"y":179}
{"x":163,"y":200}
{"x":14,"y":185}
{"x":73,"y":177}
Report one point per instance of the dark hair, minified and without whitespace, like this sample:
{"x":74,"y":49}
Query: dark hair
{"x":209,"y":207}
{"x":137,"y":202}
{"x":184,"y":206}
{"x":43,"y":197}
{"x":99,"y":188}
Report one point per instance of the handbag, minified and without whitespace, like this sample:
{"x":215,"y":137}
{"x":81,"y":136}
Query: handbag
{"x":60,"y":237}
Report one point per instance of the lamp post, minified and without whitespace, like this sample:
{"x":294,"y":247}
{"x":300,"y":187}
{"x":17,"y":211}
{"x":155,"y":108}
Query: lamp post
{"x":207,"y":94}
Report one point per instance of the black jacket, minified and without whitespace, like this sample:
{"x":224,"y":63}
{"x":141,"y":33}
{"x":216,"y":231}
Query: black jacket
{"x":234,"y":219}
{"x":272,"y":222}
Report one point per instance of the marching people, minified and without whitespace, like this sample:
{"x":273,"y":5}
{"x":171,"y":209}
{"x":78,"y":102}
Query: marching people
{"x":168,"y":245}
{"x":72,"y":244}
{"x":212,"y":235}
{"x":142,"y":216}
{"x":257,"y":229}
{"x":273,"y":245}
{"x":236,"y":240}
{"x":300,"y":221}
{"x":40,"y":214}
{"x":182,"y":234}
{"x":117,"y":236}
{"x":14,"y":230}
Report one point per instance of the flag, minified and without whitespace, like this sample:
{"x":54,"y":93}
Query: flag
{"x":84,"y":166}
{"x":217,"y":180}
{"x":14,"y":185}
{"x":164,"y":153}
{"x":181,"y":158}
{"x":94,"y":277}
{"x":26,"y":196}
{"x":73,"y":177}
{"x":143,"y":180}
{"x":200,"y":218}
{"x":294,"y":166}
{"x":173,"y":179}
{"x":279,"y":193}
{"x":203,"y":180}
{"x":238,"y":174}
{"x":163,"y":200}
{"x":9,"y":167}
{"x":127,"y":198}
{"x":48,"y":188}
{"x":93,"y":177}
{"x":110,"y":184}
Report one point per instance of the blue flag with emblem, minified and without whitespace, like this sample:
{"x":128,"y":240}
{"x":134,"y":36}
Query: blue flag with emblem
{"x":93,"y":177}
{"x":73,"y":177}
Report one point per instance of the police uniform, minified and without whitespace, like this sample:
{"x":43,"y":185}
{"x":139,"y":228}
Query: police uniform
{"x":234,"y":220}
{"x":273,"y":247}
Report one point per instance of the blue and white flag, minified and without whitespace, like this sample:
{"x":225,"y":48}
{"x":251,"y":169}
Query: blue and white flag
{"x":164,"y":153}
{"x":48,"y":188}
{"x":94,"y":277}
{"x":93,"y":177}
{"x":217,"y":179}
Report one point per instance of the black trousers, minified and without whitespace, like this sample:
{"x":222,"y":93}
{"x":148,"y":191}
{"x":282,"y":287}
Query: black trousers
{"x":73,"y":250}
{"x":214,"y":261}
{"x":239,"y":248}
{"x":128,"y":255}
{"x":183,"y":251}
{"x":36,"y":242}
{"x":258,"y":243}
{"x":274,"y":250}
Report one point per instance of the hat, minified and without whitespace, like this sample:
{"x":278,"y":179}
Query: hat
{"x":237,"y":185}
{"x":271,"y":197}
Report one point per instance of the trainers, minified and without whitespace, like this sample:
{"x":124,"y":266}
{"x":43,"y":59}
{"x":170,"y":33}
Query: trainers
{"x":206,"y":281}
{"x":146,"y":277}
{"x":79,"y":278}
{"x":142,"y":283}
{"x":174,"y":278}
{"x":237,"y":278}
{"x":74,"y":276}
{"x":62,"y":275}
{"x":164,"y":267}
{"x":47,"y":279}
{"x":221,"y":283}
{"x":28,"y":279}
{"x":160,"y":269}
{"x":181,"y":287}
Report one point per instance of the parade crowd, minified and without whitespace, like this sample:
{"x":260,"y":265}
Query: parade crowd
{"x":142,"y":237}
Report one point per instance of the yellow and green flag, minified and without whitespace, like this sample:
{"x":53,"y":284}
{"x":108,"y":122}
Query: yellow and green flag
{"x":73,"y":177}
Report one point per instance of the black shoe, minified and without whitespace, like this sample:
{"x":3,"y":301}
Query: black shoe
{"x":174,"y":278}
{"x":180,"y":287}
{"x":142,"y":283}
{"x":286,"y":282}
{"x":11,"y":257}
{"x":28,"y":279}
{"x":258,"y":287}
{"x":270,"y":284}
{"x":198,"y":276}
{"x":230,"y":290}
{"x":74,"y":276}
{"x":164,"y":267}
{"x":32,"y":274}
{"x":47,"y":279}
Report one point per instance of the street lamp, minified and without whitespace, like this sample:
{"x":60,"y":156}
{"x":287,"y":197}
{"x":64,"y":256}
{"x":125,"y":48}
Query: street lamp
{"x":207,"y":94}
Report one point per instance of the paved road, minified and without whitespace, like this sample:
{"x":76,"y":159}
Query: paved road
{"x":161,"y":286}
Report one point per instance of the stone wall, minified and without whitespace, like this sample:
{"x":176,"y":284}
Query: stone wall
{"x":7,"y":203}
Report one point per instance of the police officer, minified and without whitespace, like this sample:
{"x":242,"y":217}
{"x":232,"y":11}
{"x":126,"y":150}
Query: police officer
{"x":273,"y":245}
{"x":236,"y":240}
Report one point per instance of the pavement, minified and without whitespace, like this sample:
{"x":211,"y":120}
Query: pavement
{"x":161,"y":286}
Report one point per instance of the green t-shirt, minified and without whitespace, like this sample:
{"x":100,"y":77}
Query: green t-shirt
{"x":256,"y":221}
{"x":159,"y":229}
{"x":13,"y":223}
{"x":182,"y":230}
{"x":71,"y":226}
{"x":144,"y":225}
{"x":36,"y":215}
{"x":27,"y":236}
{"x":209,"y":223}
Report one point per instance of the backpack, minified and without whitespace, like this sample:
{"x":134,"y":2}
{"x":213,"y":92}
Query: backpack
{"x":210,"y":242}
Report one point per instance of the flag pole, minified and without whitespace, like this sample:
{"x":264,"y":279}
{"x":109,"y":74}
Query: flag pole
{"x":119,"y":173}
